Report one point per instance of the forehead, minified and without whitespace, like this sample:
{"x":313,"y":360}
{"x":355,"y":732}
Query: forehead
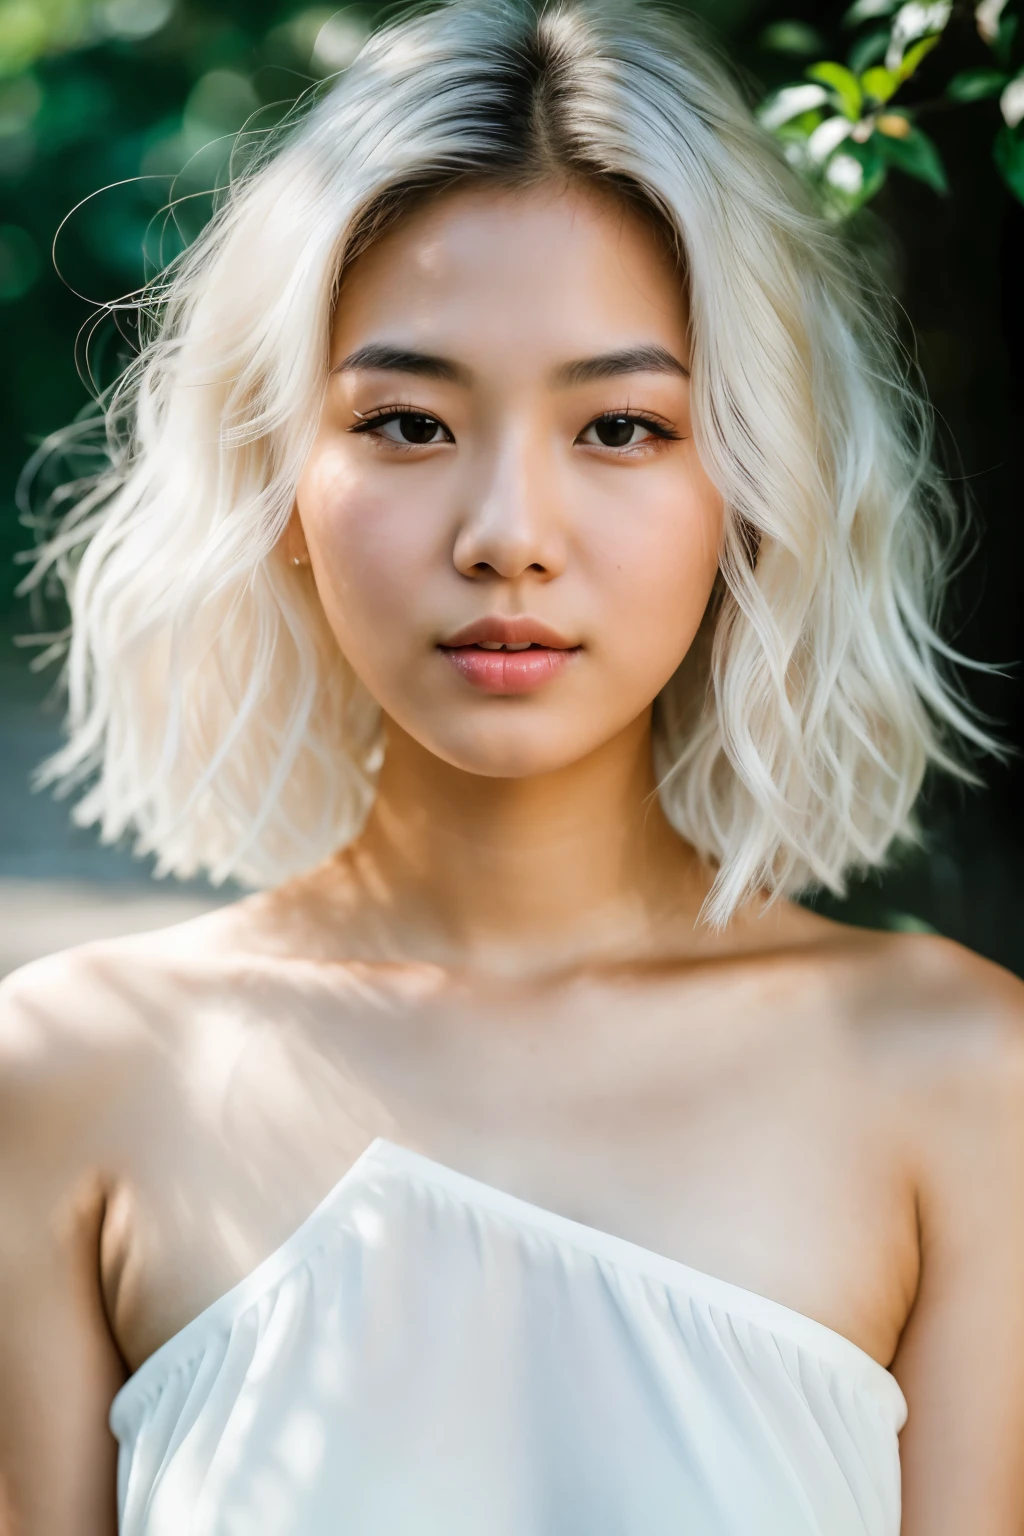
{"x":564,"y":269}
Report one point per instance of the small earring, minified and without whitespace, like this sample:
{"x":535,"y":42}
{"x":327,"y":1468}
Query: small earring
{"x":296,"y":560}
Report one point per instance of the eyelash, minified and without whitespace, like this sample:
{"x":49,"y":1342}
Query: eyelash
{"x":654,"y":424}
{"x":382,"y":414}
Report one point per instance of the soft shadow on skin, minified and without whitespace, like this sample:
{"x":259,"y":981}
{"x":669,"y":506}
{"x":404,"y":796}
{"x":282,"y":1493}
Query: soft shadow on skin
{"x":208,"y":1067}
{"x":186,"y":1062}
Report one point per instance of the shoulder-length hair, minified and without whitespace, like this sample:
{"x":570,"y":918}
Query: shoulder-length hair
{"x":209,"y":709}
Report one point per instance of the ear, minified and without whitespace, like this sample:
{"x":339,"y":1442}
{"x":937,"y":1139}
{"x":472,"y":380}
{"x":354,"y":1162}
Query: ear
{"x":293,"y":541}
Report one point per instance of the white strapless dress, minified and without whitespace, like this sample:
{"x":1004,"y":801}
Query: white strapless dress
{"x":427,"y":1356}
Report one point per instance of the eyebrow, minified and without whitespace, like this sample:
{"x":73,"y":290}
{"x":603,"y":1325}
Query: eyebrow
{"x":427,"y":365}
{"x":611,"y":365}
{"x":402,"y":360}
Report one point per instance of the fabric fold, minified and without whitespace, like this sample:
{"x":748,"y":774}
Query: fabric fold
{"x":428,"y":1356}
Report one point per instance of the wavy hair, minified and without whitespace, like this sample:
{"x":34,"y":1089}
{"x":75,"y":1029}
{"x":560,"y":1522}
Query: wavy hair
{"x":209,"y":710}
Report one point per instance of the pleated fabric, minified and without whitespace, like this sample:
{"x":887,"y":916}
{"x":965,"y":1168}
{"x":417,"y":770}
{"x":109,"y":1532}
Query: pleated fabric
{"x":428,"y":1356}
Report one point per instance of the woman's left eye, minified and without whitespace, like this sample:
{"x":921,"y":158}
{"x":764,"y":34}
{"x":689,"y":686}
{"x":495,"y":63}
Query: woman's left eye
{"x":617,"y":429}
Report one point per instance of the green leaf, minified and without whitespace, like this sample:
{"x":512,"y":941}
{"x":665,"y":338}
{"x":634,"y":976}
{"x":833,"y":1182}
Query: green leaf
{"x":976,"y":84}
{"x":868,"y":49}
{"x":792,"y":37}
{"x":1003,"y":44}
{"x":915,"y":156}
{"x":914,"y":54}
{"x":879,"y":83}
{"x":873,"y":164}
{"x":843,"y":82}
{"x":1008,"y":152}
{"x":799,"y":127}
{"x":851,"y":178}
{"x":868,"y":10}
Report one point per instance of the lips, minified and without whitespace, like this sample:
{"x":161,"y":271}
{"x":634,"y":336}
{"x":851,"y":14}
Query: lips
{"x":517,"y":655}
{"x":517,"y":631}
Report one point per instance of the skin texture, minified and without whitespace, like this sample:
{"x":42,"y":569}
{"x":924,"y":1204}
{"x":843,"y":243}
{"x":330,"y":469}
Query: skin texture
{"x":507,"y":971}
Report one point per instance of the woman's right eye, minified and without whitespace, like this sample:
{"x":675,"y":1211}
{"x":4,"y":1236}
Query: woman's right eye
{"x":407,"y":429}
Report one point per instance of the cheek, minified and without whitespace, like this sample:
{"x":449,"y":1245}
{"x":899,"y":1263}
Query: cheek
{"x":658,"y":546}
{"x":371,"y":550}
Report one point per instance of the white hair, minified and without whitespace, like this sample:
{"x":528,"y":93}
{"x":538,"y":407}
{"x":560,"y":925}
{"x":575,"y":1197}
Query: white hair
{"x":209,"y":710}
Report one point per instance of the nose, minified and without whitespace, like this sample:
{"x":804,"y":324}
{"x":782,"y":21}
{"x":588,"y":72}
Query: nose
{"x":511,"y":524}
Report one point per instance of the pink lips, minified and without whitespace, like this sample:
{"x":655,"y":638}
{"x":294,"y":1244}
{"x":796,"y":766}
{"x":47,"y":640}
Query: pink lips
{"x":509,"y":671}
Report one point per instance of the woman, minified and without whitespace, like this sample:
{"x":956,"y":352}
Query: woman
{"x":518,"y":558}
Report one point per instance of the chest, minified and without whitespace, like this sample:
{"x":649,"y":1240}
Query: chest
{"x":746,"y":1143}
{"x":436,"y":1355}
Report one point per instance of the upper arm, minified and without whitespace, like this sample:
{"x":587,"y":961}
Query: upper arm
{"x":59,"y":1366}
{"x":960,"y":1360}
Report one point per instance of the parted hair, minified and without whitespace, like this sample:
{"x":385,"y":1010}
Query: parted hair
{"x":209,"y":711}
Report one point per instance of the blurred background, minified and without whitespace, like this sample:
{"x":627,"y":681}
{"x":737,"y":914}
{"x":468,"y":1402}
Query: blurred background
{"x":110,"y":107}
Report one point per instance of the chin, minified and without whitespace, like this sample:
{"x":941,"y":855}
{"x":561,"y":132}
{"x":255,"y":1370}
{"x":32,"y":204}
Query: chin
{"x":519,"y":750}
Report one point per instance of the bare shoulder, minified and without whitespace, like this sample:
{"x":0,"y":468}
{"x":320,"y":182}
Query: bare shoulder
{"x":88,"y":993}
{"x":80,"y":1027}
{"x":930,"y":996}
{"x":57,"y":1016}
{"x":945,"y":1029}
{"x":927,"y":1016}
{"x":86,"y":1048}
{"x":903,"y":993}
{"x":905,"y":989}
{"x":113,"y":998}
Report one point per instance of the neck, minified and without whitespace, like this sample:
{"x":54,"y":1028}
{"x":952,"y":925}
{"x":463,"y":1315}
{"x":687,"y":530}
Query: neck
{"x":522,"y":875}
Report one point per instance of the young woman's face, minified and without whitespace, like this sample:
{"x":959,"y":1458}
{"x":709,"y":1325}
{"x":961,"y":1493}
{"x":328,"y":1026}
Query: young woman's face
{"x":506,"y":457}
